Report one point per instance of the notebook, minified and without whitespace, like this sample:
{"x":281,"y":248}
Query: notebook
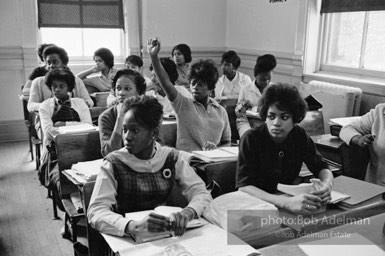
{"x":218,"y":154}
{"x":361,"y":192}
{"x":77,"y":128}
{"x":354,"y":245}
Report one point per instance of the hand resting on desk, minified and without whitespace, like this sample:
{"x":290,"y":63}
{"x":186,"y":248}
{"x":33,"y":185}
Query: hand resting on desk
{"x":154,"y":222}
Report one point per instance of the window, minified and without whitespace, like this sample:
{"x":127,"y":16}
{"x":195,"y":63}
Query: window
{"x":354,"y":43}
{"x":81,"y":43}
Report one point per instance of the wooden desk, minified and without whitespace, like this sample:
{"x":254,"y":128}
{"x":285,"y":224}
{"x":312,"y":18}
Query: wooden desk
{"x":223,"y":173}
{"x":372,"y":230}
{"x":329,"y":146}
{"x":353,"y":159}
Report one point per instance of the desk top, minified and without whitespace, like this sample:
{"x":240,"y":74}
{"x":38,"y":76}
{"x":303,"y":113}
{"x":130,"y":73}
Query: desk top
{"x":327,"y":140}
{"x":208,"y":240}
{"x":371,"y":228}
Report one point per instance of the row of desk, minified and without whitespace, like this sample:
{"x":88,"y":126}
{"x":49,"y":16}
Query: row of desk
{"x":259,"y":239}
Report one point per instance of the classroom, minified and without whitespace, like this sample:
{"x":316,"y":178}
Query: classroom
{"x":203,"y":118}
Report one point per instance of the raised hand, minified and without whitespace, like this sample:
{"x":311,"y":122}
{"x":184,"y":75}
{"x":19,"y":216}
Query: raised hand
{"x":153,"y":46}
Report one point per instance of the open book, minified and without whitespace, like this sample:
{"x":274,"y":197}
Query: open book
{"x":307,"y":188}
{"x":161,"y":210}
{"x":218,"y":154}
{"x":77,"y":128}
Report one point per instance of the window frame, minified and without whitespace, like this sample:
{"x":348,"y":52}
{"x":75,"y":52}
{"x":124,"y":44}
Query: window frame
{"x":324,"y":47}
{"x":77,"y":60}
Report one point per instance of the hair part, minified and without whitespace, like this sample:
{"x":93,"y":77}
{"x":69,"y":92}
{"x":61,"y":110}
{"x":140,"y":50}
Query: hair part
{"x":265,"y":64}
{"x":204,"y":71}
{"x":60,"y":74}
{"x":106,"y":55}
{"x":148,"y":112}
{"x":53,"y":49}
{"x":231,"y":57}
{"x":135,"y":60}
{"x":185,"y":50}
{"x":170,"y":68}
{"x":285,"y":97}
{"x":136,"y":77}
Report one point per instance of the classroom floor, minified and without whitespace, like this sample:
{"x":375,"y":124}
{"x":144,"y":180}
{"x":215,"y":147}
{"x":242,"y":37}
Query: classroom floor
{"x":26,"y":217}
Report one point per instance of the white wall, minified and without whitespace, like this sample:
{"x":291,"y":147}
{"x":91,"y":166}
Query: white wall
{"x":255,"y":28}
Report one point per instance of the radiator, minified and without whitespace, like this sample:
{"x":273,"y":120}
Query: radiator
{"x":337,"y":100}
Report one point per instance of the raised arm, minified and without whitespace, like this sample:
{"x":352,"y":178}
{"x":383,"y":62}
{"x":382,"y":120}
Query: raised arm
{"x":153,"y":48}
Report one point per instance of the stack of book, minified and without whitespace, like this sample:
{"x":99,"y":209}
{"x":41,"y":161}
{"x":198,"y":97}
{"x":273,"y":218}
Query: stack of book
{"x":77,"y":128}
{"x":84,"y":172}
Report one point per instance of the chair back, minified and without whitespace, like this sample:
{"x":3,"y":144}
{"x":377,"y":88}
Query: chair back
{"x":74,"y":148}
{"x":95,"y":113}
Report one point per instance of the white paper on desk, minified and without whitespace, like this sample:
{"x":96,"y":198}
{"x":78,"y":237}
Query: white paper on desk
{"x":303,"y":188}
{"x":77,"y":128}
{"x":355,"y":245}
{"x":88,"y":169}
{"x":208,"y":240}
{"x":342,"y":121}
{"x":307,"y":188}
{"x":76,"y":176}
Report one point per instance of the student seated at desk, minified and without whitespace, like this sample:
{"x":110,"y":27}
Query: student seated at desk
{"x":250,"y":94}
{"x":61,"y":110}
{"x":202,"y":122}
{"x":135,"y":63}
{"x":127,"y":83}
{"x":181,"y":55}
{"x":55,"y":57}
{"x":274,"y":152}
{"x":230,"y":83}
{"x":368,"y":132}
{"x":155,"y":90}
{"x":38,"y":71}
{"x":100,"y":76}
{"x":141,"y":175}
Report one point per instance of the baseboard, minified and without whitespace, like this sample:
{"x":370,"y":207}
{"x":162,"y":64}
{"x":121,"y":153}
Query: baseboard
{"x":13,"y":130}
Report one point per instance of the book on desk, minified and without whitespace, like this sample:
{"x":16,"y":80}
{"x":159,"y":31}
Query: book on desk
{"x":218,"y":154}
{"x":361,"y":193}
{"x":84,"y":127}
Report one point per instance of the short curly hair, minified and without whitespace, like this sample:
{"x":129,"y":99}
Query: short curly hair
{"x":231,"y":57}
{"x":264,"y":64}
{"x":285,"y":97}
{"x":136,"y":77}
{"x":170,"y":68}
{"x":61,"y":74}
{"x":135,"y":59}
{"x":106,"y":55}
{"x":185,"y":50}
{"x":204,"y":71}
{"x":53,"y":49}
{"x":147,"y":110}
{"x":41,"y":49}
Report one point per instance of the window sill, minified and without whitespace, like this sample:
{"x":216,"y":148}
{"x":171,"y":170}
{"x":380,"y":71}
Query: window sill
{"x":368,"y":85}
